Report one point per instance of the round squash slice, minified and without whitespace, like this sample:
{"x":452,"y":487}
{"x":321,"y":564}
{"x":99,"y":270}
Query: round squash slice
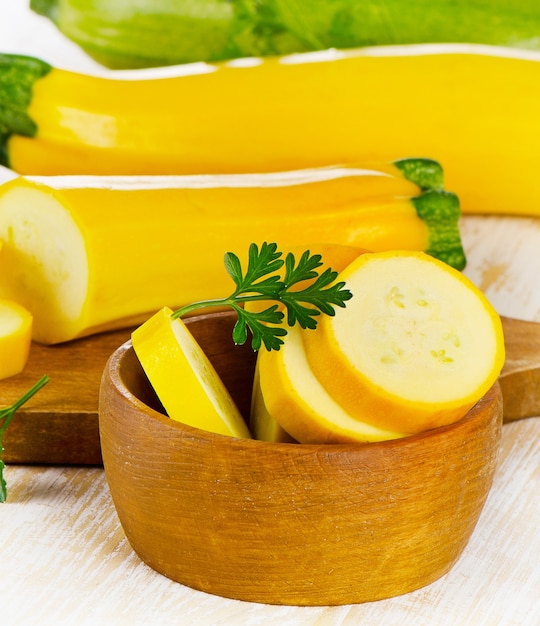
{"x":416,"y":347}
{"x":183,"y":378}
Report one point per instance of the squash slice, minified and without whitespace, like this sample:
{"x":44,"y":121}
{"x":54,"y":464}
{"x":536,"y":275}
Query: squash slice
{"x":183,"y":378}
{"x":417,"y":346}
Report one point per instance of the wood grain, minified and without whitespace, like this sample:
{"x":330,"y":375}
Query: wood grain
{"x":60,"y":424}
{"x":66,"y":560}
{"x":520,"y":377}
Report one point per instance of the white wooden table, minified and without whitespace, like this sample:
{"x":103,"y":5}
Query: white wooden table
{"x":64,"y":558}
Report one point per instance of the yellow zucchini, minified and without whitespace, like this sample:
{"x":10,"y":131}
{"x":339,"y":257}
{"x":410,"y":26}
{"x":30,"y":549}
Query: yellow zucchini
{"x":361,"y":374}
{"x":289,"y":395}
{"x":15,"y":336}
{"x":87,"y":254}
{"x":183,"y":378}
{"x":262,"y":425}
{"x":472,"y":108}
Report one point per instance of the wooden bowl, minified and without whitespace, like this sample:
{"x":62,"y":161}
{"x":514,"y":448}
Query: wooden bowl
{"x":288,"y":523}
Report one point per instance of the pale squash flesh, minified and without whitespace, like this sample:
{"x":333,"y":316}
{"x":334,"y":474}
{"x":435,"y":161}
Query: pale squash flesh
{"x":300,"y":404}
{"x":262,"y":423}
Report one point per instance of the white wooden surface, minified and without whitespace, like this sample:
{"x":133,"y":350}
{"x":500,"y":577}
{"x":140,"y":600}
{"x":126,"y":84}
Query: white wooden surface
{"x":64,"y":559}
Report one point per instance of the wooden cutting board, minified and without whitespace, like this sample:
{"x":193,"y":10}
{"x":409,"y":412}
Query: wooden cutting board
{"x":59,"y":425}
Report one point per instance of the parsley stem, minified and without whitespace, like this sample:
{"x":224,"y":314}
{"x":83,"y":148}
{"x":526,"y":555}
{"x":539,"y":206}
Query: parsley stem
{"x":6,"y":415}
{"x":232,"y":301}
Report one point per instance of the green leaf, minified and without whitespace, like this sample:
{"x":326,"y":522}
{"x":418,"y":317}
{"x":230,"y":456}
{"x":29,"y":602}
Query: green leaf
{"x":265,"y":327}
{"x":234,"y":268}
{"x":305,"y":269}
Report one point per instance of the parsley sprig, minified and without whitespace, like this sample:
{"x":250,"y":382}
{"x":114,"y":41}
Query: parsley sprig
{"x":6,"y":415}
{"x":262,"y":282}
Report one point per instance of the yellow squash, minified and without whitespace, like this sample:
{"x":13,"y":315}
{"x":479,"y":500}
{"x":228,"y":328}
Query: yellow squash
{"x":472,"y":108}
{"x":415,"y":348}
{"x":412,"y":320}
{"x":87,"y":254}
{"x":262,"y":424}
{"x":288,"y":398}
{"x":183,"y":378}
{"x":15,"y":337}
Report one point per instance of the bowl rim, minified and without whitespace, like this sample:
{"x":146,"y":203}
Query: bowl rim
{"x":112,"y":369}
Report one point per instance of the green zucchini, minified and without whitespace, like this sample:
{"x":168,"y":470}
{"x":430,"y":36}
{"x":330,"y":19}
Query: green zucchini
{"x":146,"y":33}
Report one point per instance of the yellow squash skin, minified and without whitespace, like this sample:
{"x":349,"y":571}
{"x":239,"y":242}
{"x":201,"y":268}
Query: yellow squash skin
{"x":473,"y":108}
{"x":15,"y":337}
{"x":85,"y":258}
{"x":262,"y":424}
{"x":183,"y":378}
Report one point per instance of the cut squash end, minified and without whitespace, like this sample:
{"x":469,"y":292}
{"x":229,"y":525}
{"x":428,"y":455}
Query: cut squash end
{"x":44,"y":263}
{"x":15,"y":338}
